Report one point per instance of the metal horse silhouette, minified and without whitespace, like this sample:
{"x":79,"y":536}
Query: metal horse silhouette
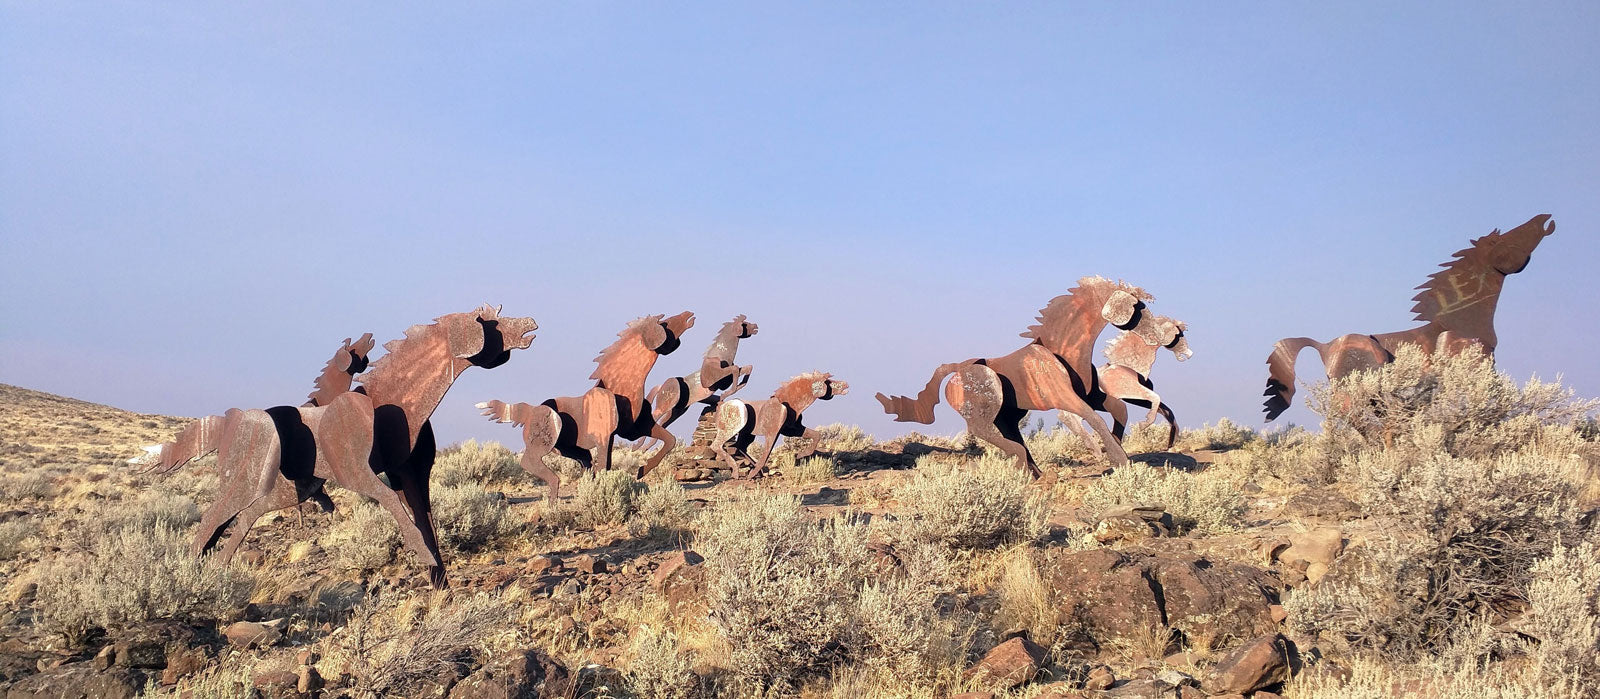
{"x":672,"y":398}
{"x":1457,"y":304}
{"x":1053,"y":372}
{"x":582,"y":427}
{"x":380,"y":428}
{"x":740,"y":421}
{"x":1125,"y":377}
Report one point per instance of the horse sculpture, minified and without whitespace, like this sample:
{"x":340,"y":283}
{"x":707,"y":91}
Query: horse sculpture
{"x":1456,"y":304}
{"x":1053,"y":372}
{"x":740,"y":421}
{"x":582,"y":427}
{"x":1125,"y":377}
{"x":380,"y":428}
{"x":672,"y":398}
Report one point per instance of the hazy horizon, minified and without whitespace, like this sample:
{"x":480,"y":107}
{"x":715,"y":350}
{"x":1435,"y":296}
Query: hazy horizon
{"x":197,"y":203}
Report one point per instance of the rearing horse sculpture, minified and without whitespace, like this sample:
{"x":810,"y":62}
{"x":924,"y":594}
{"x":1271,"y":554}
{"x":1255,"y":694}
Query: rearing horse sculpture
{"x":1125,"y":377}
{"x":1457,"y":304}
{"x":1053,"y":372}
{"x":672,"y":398}
{"x":582,"y":427}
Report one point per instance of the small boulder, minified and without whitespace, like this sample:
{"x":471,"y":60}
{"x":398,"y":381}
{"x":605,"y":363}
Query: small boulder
{"x":1008,"y":665}
{"x":589,"y":564}
{"x":523,"y":674}
{"x":1259,"y":663}
{"x":253,"y":634}
{"x":1100,"y":678}
{"x":307,"y":680}
{"x":542,"y":564}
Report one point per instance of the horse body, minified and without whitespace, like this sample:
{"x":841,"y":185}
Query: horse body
{"x":717,"y":372}
{"x":741,"y":421}
{"x":1125,"y":377}
{"x":1053,"y":372}
{"x":1456,"y":305}
{"x":582,"y":428}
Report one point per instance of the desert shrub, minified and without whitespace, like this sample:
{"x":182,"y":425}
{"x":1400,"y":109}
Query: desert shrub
{"x":661,"y":667}
{"x":398,"y":652}
{"x":1460,"y":536}
{"x":1059,"y":446}
{"x":1203,"y":505}
{"x":468,"y":518}
{"x":900,"y":634}
{"x":665,"y":505}
{"x":1373,"y":678}
{"x":981,"y":503}
{"x":365,"y":539}
{"x":1222,"y":436}
{"x":135,"y":574}
{"x":817,"y":469}
{"x":1564,"y":613}
{"x":1026,"y":600}
{"x":780,"y":586}
{"x":628,"y":459}
{"x":839,"y":437}
{"x":26,"y":486}
{"x":226,"y":680}
{"x":1287,"y":457}
{"x":14,"y":538}
{"x":1146,"y":439}
{"x":1458,"y":404}
{"x":471,"y":462}
{"x":608,"y":497}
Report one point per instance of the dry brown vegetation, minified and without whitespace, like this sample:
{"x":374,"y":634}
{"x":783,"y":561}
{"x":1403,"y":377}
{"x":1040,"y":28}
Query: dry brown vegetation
{"x":1438,"y":537}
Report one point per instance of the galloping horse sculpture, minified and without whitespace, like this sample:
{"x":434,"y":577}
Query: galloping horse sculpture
{"x":1053,"y":372}
{"x":582,"y":427}
{"x":1125,"y":377}
{"x":1457,"y":304}
{"x":672,"y":398}
{"x":740,"y":421}
{"x":380,"y":428}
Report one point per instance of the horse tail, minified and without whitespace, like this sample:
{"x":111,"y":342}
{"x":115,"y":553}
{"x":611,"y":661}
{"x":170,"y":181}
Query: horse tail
{"x":919,"y":409}
{"x":501,"y":411}
{"x":1280,"y":373}
{"x":200,"y":438}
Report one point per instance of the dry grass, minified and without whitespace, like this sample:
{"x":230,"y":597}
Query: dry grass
{"x":1199,"y":504}
{"x":365,"y":539}
{"x":398,"y":651}
{"x":469,"y":518}
{"x":984,"y":502}
{"x":471,"y":462}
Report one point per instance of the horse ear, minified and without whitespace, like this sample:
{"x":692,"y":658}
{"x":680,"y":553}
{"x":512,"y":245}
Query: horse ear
{"x":465,"y":334}
{"x":654,"y":335}
{"x":1119,"y":309}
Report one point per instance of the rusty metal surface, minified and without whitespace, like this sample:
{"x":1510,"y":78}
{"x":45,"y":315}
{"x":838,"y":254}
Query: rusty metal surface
{"x":718,"y":377}
{"x":582,"y":428}
{"x":275,"y":458}
{"x":1055,"y":371}
{"x":1456,"y":305}
{"x":739,"y":422}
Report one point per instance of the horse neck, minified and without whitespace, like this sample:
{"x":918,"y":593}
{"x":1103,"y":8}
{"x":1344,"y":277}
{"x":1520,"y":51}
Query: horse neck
{"x":624,"y":369}
{"x":1468,"y":308}
{"x":722,"y":350}
{"x":1072,"y":335}
{"x":1138,"y":356}
{"x":414,"y":377}
{"x":796,"y":395}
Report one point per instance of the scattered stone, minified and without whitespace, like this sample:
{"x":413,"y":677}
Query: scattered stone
{"x":1100,"y":678}
{"x":1176,"y":678}
{"x":79,"y":681}
{"x":1252,"y":666}
{"x":182,"y":662}
{"x":251,"y":557}
{"x":276,"y":680}
{"x":307,"y":657}
{"x":1266,"y":695}
{"x":542,"y":564}
{"x":673,"y":566}
{"x":1187,"y":692}
{"x":1008,"y":665}
{"x":253,"y":634}
{"x":1322,"y":502}
{"x":307,"y":680}
{"x":589,"y":564}
{"x":1279,"y":614}
{"x":105,"y":658}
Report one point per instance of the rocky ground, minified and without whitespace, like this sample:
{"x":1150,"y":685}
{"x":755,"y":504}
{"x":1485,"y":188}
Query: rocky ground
{"x":1089,"y":582}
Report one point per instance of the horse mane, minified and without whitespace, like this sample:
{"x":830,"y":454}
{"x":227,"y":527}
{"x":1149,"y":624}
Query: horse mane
{"x":1055,"y":320}
{"x":609,"y":362}
{"x":419,"y":341}
{"x":1464,"y":271}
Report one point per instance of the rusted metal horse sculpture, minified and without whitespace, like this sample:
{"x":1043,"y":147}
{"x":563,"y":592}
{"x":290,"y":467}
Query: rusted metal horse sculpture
{"x":740,"y":421}
{"x":1125,"y":377}
{"x":201,"y":438}
{"x":1457,"y":304}
{"x":380,"y":428}
{"x":672,"y":398}
{"x":582,"y":427}
{"x":1053,"y":372}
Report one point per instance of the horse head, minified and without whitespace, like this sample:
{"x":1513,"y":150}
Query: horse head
{"x":484,"y":338}
{"x":826,"y":387}
{"x":1172,"y":334}
{"x":1510,"y":252}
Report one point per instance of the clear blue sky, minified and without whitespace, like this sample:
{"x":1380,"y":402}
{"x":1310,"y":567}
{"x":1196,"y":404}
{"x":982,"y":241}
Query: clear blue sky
{"x":197,"y":201}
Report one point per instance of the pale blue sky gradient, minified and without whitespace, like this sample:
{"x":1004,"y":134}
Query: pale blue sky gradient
{"x":197,"y":201}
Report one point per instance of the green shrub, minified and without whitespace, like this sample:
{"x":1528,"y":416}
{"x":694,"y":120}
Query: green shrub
{"x":468,"y":518}
{"x":608,"y":497}
{"x":980,"y":503}
{"x":15,"y":536}
{"x":1200,"y":504}
{"x":665,"y":505}
{"x":661,"y":668}
{"x":470,"y":462}
{"x":366,"y":538}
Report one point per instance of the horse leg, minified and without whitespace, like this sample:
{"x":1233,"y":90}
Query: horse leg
{"x":353,"y":450}
{"x":1112,"y":447}
{"x":1172,"y":424}
{"x":811,"y":447}
{"x":1118,"y":411}
{"x":283,"y":496}
{"x":413,"y":484}
{"x":249,"y":454}
{"x":978,"y":395}
{"x":1076,"y":425}
{"x":770,"y":441}
{"x":668,"y":442}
